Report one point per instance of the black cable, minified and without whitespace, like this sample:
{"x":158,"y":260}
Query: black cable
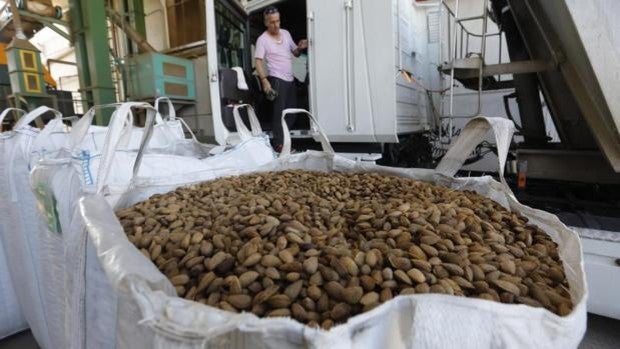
{"x":507,"y":109}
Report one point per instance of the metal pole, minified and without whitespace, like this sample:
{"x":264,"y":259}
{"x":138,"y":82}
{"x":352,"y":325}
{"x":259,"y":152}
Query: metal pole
{"x":482,"y":53}
{"x":467,"y":44}
{"x":456,"y":14}
{"x":441,"y":79}
{"x":90,"y":30}
{"x":461,"y":44}
{"x":132,"y":33}
{"x":499,"y":76}
{"x":17,"y":21}
{"x":137,"y":16}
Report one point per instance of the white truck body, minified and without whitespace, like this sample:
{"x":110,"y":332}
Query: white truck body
{"x":356,"y":49}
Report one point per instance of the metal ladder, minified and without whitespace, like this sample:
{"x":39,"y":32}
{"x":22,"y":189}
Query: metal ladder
{"x":470,"y":68}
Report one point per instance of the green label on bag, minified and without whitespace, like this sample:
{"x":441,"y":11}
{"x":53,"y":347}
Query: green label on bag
{"x":47,"y":205}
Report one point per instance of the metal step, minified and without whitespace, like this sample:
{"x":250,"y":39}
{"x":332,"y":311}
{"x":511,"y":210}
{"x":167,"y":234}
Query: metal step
{"x":467,"y":71}
{"x":489,"y":83}
{"x":469,"y":68}
{"x":462,"y":64}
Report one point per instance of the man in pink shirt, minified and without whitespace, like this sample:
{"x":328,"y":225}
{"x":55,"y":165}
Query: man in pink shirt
{"x":276,"y":48}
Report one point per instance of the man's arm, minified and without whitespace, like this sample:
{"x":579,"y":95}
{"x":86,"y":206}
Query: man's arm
{"x":262,"y":75}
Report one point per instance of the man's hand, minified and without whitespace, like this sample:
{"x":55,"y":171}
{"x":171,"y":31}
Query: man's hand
{"x":302,"y":45}
{"x":266,"y":85}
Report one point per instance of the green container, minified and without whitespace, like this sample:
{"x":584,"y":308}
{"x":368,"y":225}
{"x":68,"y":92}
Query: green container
{"x":25,"y":68}
{"x":153,"y":75}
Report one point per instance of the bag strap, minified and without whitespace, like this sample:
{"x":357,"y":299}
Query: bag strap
{"x":80,"y":128}
{"x":124,"y":116}
{"x":472,"y":134}
{"x":31,"y":116}
{"x":189,"y":129}
{"x":172,"y":114}
{"x":6,"y":112}
{"x":286,"y":146}
{"x":242,"y":130}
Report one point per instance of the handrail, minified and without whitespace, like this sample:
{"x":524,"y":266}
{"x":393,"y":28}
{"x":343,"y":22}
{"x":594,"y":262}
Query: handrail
{"x":459,"y":37}
{"x":468,"y":18}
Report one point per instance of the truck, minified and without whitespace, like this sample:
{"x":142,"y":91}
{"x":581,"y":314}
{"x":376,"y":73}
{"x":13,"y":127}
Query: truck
{"x":367,"y":91}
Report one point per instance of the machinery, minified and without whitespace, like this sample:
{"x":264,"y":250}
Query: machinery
{"x":29,"y":24}
{"x":154,"y":74}
{"x":549,"y":50}
{"x":25,"y":82}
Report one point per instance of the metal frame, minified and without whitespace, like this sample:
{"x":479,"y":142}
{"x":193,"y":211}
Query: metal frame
{"x":453,"y":33}
{"x":135,"y":12}
{"x":569,"y":165}
{"x":90,"y":31}
{"x":518,"y":67}
{"x":49,"y":22}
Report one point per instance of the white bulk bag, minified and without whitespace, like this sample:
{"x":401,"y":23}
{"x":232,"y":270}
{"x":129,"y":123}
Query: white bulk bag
{"x":25,"y":250}
{"x":252,"y":148}
{"x":185,"y":147}
{"x":153,"y":317}
{"x":166,"y":132}
{"x":57,"y":182}
{"x":113,"y":169}
{"x":11,"y":318}
{"x":90,"y":302}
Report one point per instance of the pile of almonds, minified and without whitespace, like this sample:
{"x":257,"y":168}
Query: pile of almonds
{"x":323,"y":247}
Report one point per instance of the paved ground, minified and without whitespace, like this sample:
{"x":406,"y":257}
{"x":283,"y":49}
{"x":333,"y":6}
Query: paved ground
{"x":603,"y":333}
{"x":23,"y":340}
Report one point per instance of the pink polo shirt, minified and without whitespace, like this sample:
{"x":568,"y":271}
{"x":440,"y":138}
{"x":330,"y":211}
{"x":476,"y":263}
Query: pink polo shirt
{"x":278,"y":56}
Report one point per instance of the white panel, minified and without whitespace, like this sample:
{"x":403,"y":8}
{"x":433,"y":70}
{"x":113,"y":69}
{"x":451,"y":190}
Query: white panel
{"x":597,"y":25}
{"x":412,"y":111}
{"x":433,"y":26}
{"x":377,"y":26}
{"x":406,"y":94}
{"x":603,"y":284}
{"x":381,"y":31}
{"x":157,"y":23}
{"x":364,"y":110}
{"x":221,"y":132}
{"x":372,"y":70}
{"x":326,"y":54}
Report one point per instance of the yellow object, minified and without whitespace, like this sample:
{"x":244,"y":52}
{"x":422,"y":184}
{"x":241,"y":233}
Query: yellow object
{"x":3,"y":59}
{"x":49,"y":80}
{"x":28,"y":60}
{"x":32,"y":83}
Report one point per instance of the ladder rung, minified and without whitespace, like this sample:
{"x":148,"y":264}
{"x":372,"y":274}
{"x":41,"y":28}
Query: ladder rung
{"x":465,"y":70}
{"x":471,"y":63}
{"x":465,"y":19}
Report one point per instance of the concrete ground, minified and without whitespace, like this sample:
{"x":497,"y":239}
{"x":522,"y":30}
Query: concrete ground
{"x":602,"y":333}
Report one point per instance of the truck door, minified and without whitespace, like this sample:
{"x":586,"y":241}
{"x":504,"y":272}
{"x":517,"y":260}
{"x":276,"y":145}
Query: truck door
{"x":352,"y":70}
{"x":226,"y":47}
